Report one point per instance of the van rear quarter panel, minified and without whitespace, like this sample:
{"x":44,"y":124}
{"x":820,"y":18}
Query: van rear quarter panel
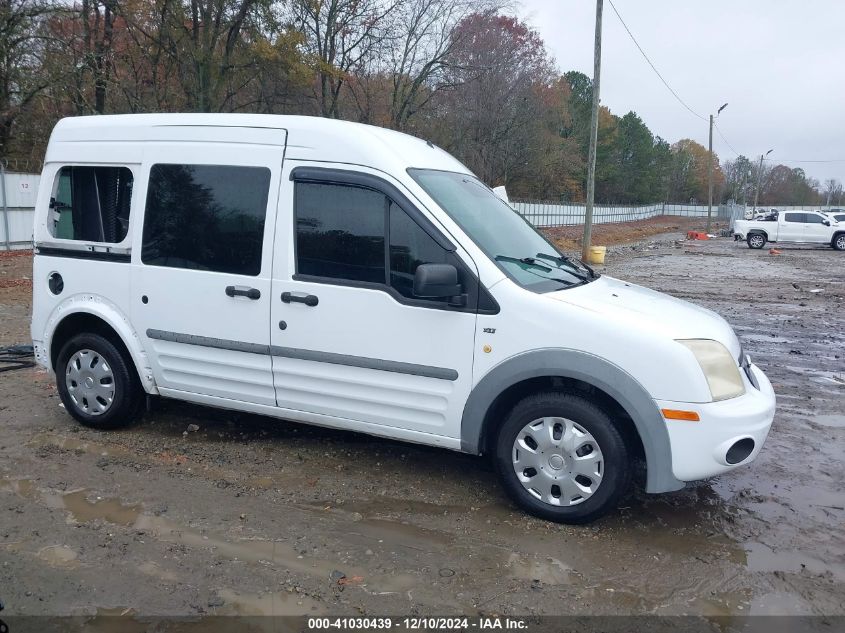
{"x":92,"y":286}
{"x":100,"y":288}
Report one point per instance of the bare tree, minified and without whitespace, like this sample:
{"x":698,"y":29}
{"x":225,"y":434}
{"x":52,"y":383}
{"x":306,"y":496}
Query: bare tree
{"x":832,"y":191}
{"x":426,"y":40}
{"x":21,"y":49}
{"x":98,"y":27}
{"x":340,"y":36}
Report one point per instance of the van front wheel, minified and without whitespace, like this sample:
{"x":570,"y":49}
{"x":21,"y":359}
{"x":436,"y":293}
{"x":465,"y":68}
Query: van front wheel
{"x":97,"y":385}
{"x":561,"y":458}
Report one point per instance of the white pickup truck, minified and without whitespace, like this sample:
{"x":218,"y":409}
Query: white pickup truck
{"x":792,"y":226}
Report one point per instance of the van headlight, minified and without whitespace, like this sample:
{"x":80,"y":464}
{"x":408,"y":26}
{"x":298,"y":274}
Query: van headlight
{"x":719,"y":367}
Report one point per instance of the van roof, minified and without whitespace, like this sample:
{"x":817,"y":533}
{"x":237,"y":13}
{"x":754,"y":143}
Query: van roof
{"x":308,"y":137}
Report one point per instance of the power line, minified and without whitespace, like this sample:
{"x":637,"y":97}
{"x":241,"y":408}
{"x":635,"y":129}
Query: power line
{"x":657,"y":72}
{"x":693,"y":112}
{"x":725,"y":139}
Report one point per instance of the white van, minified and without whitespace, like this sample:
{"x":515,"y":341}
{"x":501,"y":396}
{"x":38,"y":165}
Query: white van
{"x":348,"y":276}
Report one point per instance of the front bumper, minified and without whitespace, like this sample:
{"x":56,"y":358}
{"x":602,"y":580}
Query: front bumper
{"x":703,"y":449}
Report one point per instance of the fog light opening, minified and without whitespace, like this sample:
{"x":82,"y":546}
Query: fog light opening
{"x":740,"y":451}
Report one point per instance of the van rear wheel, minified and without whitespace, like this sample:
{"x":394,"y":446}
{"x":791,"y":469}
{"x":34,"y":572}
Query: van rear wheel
{"x":561,"y":458}
{"x":97,"y":385}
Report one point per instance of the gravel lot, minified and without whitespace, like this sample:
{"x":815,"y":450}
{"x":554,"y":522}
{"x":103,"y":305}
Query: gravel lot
{"x":254,"y":515}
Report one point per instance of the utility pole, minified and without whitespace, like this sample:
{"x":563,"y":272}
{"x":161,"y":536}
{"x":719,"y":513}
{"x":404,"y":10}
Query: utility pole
{"x":710,"y":171}
{"x":759,"y":180}
{"x":594,"y":133}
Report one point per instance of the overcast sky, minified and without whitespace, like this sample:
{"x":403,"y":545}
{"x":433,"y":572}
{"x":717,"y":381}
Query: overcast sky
{"x":780,"y":64}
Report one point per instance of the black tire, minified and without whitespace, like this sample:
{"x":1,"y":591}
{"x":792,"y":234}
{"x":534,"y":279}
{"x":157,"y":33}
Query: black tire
{"x":616,"y":474}
{"x":756,"y":240}
{"x":838,"y":242}
{"x":128,"y":393}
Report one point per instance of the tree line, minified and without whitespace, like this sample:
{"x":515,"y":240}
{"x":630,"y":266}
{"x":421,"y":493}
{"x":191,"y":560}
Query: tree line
{"x":466,"y":74}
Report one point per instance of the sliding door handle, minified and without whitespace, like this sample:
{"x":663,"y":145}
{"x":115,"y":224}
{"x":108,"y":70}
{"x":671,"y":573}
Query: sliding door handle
{"x":309,"y":300}
{"x":241,"y":291}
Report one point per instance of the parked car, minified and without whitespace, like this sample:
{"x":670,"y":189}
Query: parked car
{"x":348,"y":276}
{"x":836,"y":214}
{"x":759,"y":214}
{"x":811,"y":227}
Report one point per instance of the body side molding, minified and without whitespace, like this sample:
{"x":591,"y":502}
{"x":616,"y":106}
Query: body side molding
{"x":363,"y":362}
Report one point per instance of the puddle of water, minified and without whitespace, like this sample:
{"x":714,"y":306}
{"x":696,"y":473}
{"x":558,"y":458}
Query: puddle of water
{"x":59,"y":556}
{"x":83,"y":509}
{"x":21,"y":487}
{"x":266,"y":604}
{"x":762,"y":558}
{"x":263,"y":482}
{"x":832,"y":420}
{"x":722,"y":604}
{"x":402,"y":534}
{"x":549,"y":571}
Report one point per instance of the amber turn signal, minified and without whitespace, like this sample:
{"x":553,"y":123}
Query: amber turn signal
{"x":675,"y":414}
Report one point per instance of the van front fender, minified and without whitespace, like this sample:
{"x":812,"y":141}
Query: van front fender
{"x":587,"y":368}
{"x":112,"y":316}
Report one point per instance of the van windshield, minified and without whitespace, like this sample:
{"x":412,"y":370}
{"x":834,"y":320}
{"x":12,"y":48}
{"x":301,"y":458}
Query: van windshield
{"x":521,"y":252}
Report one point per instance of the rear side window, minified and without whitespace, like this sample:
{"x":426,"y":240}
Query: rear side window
{"x":795,"y":217}
{"x":340,"y":232}
{"x":206,"y":217}
{"x":91,"y":204}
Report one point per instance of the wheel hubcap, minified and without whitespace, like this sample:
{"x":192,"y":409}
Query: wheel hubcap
{"x":756,"y":241}
{"x":90,"y":382}
{"x":557,"y":461}
{"x":840,"y":242}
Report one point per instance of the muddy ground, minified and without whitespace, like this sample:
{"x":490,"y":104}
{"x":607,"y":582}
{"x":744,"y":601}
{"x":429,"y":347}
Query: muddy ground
{"x":254,"y":515}
{"x":611,"y":234}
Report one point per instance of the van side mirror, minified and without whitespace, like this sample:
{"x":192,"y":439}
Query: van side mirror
{"x":435,"y":281}
{"x":826,"y":222}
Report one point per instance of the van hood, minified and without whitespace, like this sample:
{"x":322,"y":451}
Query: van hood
{"x":634,"y":306}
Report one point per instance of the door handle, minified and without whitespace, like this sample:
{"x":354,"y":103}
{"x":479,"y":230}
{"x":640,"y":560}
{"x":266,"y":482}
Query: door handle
{"x":240,"y":291}
{"x":309,"y":300}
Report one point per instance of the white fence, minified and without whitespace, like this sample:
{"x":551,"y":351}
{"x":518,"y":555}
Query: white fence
{"x":17,"y":204}
{"x":546,"y":215}
{"x":549,"y":214}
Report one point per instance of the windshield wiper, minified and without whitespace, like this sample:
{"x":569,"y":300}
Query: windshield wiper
{"x":530,"y":261}
{"x":575,"y":263}
{"x":523,"y":260}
